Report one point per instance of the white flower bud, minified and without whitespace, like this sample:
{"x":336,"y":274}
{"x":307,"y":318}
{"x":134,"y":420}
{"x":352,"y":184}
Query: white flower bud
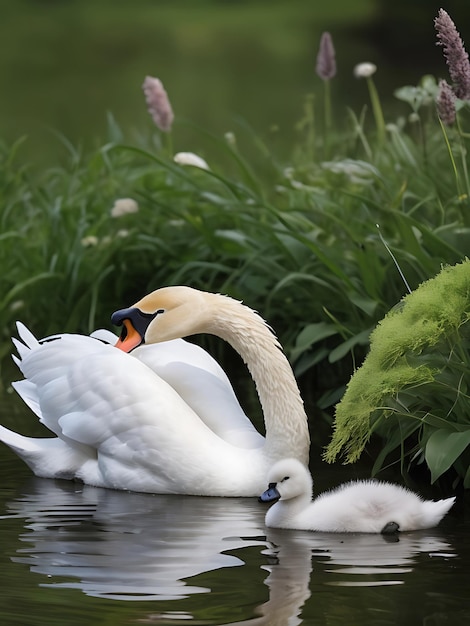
{"x":123,"y":206}
{"x":364,"y":70}
{"x":90,"y":241}
{"x":189,"y":158}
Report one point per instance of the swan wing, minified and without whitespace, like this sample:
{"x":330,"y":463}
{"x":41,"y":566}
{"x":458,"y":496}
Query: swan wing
{"x":200,"y":381}
{"x":28,"y":392}
{"x":46,"y":367}
{"x":143,"y":436}
{"x":197,"y":377}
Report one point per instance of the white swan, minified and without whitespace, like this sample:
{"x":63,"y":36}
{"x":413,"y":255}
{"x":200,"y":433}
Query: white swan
{"x":200,"y":381}
{"x":364,"y":506}
{"x":120,"y":425}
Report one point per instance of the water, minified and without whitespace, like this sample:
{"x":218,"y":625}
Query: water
{"x":77,"y":555}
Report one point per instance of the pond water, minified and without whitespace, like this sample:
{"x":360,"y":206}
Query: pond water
{"x":77,"y":555}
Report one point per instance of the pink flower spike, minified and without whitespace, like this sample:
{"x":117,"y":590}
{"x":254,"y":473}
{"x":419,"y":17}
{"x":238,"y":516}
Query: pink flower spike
{"x":446,"y":103}
{"x":326,"y":58}
{"x":158,"y":103}
{"x":454,"y":53}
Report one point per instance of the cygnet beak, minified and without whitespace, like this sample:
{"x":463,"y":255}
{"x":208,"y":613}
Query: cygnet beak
{"x":270,"y":495}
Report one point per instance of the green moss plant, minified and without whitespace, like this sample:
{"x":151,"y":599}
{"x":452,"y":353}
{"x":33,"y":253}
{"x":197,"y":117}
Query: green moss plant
{"x":415,"y":378}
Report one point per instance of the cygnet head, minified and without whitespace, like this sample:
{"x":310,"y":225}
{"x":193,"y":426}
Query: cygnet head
{"x":287,"y":479}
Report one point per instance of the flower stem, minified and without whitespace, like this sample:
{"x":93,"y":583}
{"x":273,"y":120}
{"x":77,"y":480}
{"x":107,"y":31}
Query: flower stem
{"x":452,"y":159}
{"x":327,"y":117}
{"x":377,"y":110}
{"x":463,"y":154}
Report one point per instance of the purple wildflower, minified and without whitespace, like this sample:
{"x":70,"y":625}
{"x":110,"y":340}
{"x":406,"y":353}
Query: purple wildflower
{"x":446,"y":103}
{"x":455,"y":54}
{"x":326,"y":59}
{"x":158,"y":103}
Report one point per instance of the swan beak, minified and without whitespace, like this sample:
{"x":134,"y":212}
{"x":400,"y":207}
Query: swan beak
{"x":134,"y":324}
{"x":270,"y":495}
{"x":129,"y":338}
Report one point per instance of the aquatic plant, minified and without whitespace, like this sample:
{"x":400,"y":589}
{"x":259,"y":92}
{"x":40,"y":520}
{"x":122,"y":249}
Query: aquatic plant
{"x":414,"y":379}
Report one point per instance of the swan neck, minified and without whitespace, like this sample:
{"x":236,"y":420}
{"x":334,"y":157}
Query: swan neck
{"x":283,"y":410}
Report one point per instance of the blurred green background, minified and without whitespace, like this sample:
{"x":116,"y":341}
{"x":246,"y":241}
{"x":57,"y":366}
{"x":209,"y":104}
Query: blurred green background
{"x":66,"y":63}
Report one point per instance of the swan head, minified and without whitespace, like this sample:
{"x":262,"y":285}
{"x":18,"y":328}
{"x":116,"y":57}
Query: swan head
{"x":165,"y":314}
{"x":287,"y":479}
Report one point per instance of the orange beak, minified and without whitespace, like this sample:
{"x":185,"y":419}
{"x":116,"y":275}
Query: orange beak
{"x":130,"y":337}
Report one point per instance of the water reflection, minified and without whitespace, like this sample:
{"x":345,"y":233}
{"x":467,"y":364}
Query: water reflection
{"x":129,"y":546}
{"x":338,"y":560}
{"x":373,"y":560}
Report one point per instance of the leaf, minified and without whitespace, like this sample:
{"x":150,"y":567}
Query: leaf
{"x":27,"y":283}
{"x":466,"y":481}
{"x":340,"y":351}
{"x":308,"y":360}
{"x":10,"y":235}
{"x":443,"y":448}
{"x":216,"y":199}
{"x":331,"y":397}
{"x":114,"y":131}
{"x":296,"y":277}
{"x":394,"y":438}
{"x":368,"y":305}
{"x":414,"y":96}
{"x":232,"y":241}
{"x":311,"y":334}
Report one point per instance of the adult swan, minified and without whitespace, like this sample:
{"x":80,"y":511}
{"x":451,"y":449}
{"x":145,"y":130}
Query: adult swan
{"x":119,"y":424}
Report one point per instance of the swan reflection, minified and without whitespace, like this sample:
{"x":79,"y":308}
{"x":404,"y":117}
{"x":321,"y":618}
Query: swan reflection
{"x":363,"y":559}
{"x":131,"y":546}
{"x":308,"y":560}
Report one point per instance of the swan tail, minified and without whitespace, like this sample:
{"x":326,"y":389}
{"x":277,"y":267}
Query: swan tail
{"x":19,"y":443}
{"x":46,"y":457}
{"x":22,"y":350}
{"x":25,"y":346}
{"x":434,"y":511}
{"x":27,"y":337}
